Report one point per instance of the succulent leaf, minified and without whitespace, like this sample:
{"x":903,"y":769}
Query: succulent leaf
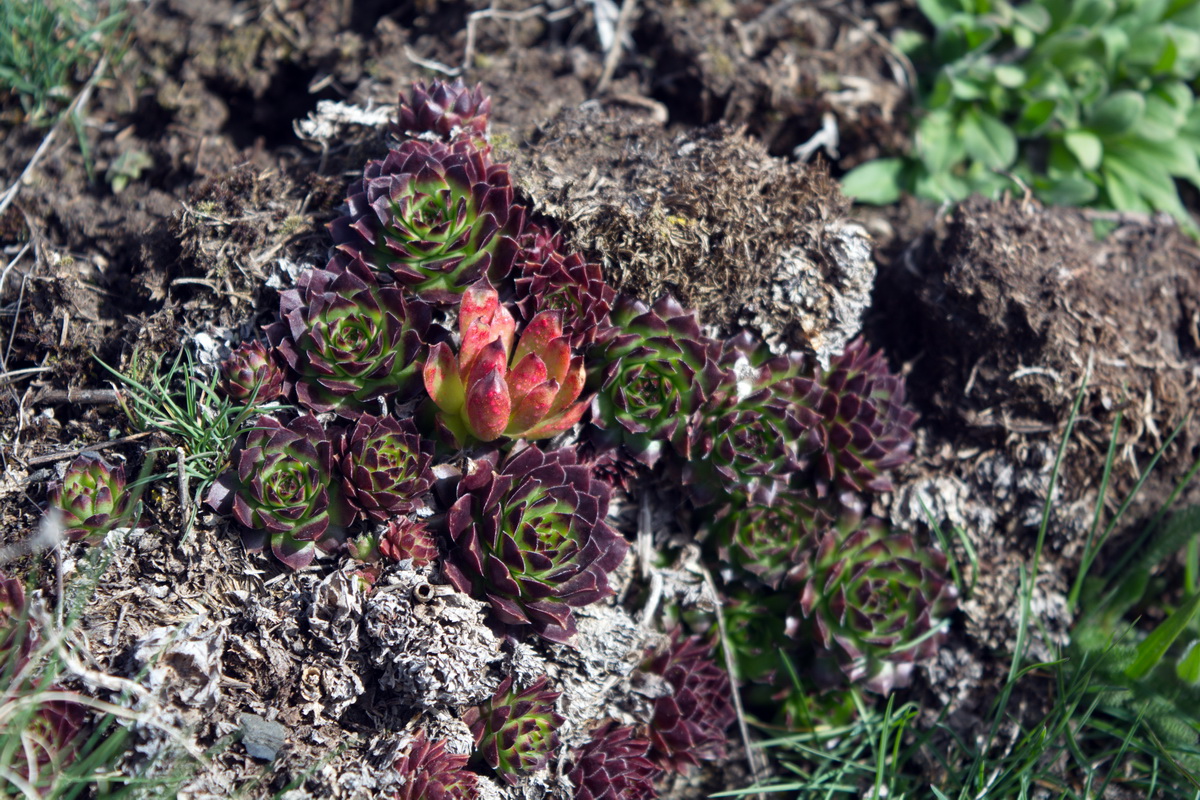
{"x":874,"y":600}
{"x":385,"y":466}
{"x":252,"y":372}
{"x":91,"y":496}
{"x":530,"y":536}
{"x":350,"y":340}
{"x":281,"y":489}
{"x":432,"y":773}
{"x":436,"y":217}
{"x":516,"y":731}
{"x":445,"y":110}
{"x":405,"y":538}
{"x":548,"y":280}
{"x":769,"y":541}
{"x":613,"y":766}
{"x":689,"y":724}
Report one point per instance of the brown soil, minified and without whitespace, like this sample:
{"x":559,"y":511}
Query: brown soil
{"x":676,"y":178}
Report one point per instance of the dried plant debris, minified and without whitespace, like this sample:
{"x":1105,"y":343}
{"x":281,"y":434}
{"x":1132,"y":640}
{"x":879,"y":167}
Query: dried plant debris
{"x":748,"y":239}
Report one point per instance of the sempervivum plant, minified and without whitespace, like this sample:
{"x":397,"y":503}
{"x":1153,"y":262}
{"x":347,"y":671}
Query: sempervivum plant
{"x":689,"y":724}
{"x":769,"y":541}
{"x":750,"y":438}
{"x":384,"y":464}
{"x":405,"y":538}
{"x":655,"y":370}
{"x":349,"y":339}
{"x":431,"y":773}
{"x":281,"y":489}
{"x":868,"y":429}
{"x":49,"y":740}
{"x":444,"y":110}
{"x":16,"y":632}
{"x":613,"y":766}
{"x":554,"y":281}
{"x":517,"y":730}
{"x":252,"y":373}
{"x":874,"y":600}
{"x":436,"y":217}
{"x":530,"y":536}
{"x":496,"y":386}
{"x":92,"y":497}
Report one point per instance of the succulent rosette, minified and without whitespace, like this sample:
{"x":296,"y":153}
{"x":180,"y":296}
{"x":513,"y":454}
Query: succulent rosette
{"x":689,"y":724}
{"x":432,"y":773}
{"x":868,"y":429}
{"x":16,"y":633}
{"x":752,"y":437}
{"x":769,"y":541}
{"x":436,"y":217}
{"x":571,"y":284}
{"x":613,"y":766}
{"x":49,"y":740}
{"x":405,"y":538}
{"x":874,"y":600}
{"x":252,"y":373}
{"x":281,"y":489}
{"x":530,"y":537}
{"x":444,"y":110}
{"x":385,"y":466}
{"x":348,"y":339}
{"x":92,"y":497}
{"x":502,"y":385}
{"x":655,"y":369}
{"x":516,"y":731}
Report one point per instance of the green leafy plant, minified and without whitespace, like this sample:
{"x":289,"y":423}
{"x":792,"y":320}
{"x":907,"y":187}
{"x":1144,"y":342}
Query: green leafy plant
{"x":1084,"y":102}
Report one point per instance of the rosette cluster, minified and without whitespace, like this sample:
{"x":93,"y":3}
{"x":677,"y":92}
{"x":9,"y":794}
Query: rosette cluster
{"x":252,"y":374}
{"x":529,"y":536}
{"x":91,"y":497}
{"x":689,"y":723}
{"x":445,"y":111}
{"x":517,"y":729}
{"x":430,"y":772}
{"x":613,"y":766}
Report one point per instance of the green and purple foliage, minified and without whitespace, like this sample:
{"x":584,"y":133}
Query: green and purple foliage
{"x":92,"y":497}
{"x":768,"y":541}
{"x":405,"y":538}
{"x":654,"y":370}
{"x":516,"y":731}
{"x":431,"y":773}
{"x":530,"y":537}
{"x":281,"y":490}
{"x":502,"y":385}
{"x":613,"y":766}
{"x":436,"y":217}
{"x":16,"y":633}
{"x":689,"y":724}
{"x":350,"y":340}
{"x":874,"y":601}
{"x":447,"y":111}
{"x":252,"y":373}
{"x":868,"y":429}
{"x":570,"y":284}
{"x":385,"y":466}
{"x":751,"y":438}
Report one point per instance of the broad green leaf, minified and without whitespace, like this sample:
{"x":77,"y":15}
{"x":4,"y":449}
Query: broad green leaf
{"x":1187,"y":48}
{"x":1023,"y":37}
{"x":967,"y":89}
{"x":1086,"y":147}
{"x":987,"y":139}
{"x":939,"y":12}
{"x":1152,"y":649}
{"x":1146,"y":48}
{"x":908,"y":42}
{"x":1116,"y":44}
{"x":1161,"y":122}
{"x":1009,"y":76}
{"x":1092,"y":13}
{"x":1033,"y":16}
{"x":1122,"y":194}
{"x":1188,"y":668}
{"x":1034,"y":117}
{"x":1118,"y":113}
{"x":876,"y":182}
{"x":1069,"y":190}
{"x":942,"y":187}
{"x":938,"y":146}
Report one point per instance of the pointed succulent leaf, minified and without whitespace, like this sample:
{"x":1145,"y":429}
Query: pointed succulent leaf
{"x":516,"y":731}
{"x":448,"y":111}
{"x":252,"y":372}
{"x":548,"y":280}
{"x":404,"y":538}
{"x":613,"y":766}
{"x":91,"y":496}
{"x":430,"y":772}
{"x":385,"y":466}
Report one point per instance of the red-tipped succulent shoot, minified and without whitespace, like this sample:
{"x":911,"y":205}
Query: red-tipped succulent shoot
{"x":435,"y":217}
{"x":281,"y":490}
{"x":516,"y":732}
{"x":252,"y":373}
{"x":431,"y":773}
{"x":445,"y":111}
{"x":613,"y":766}
{"x":385,"y":466}
{"x":92,"y":497}
{"x":689,"y":724}
{"x":527,"y":388}
{"x":405,"y":538}
{"x":350,"y":340}
{"x":874,"y":600}
{"x":570,"y":284}
{"x":530,"y":537}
